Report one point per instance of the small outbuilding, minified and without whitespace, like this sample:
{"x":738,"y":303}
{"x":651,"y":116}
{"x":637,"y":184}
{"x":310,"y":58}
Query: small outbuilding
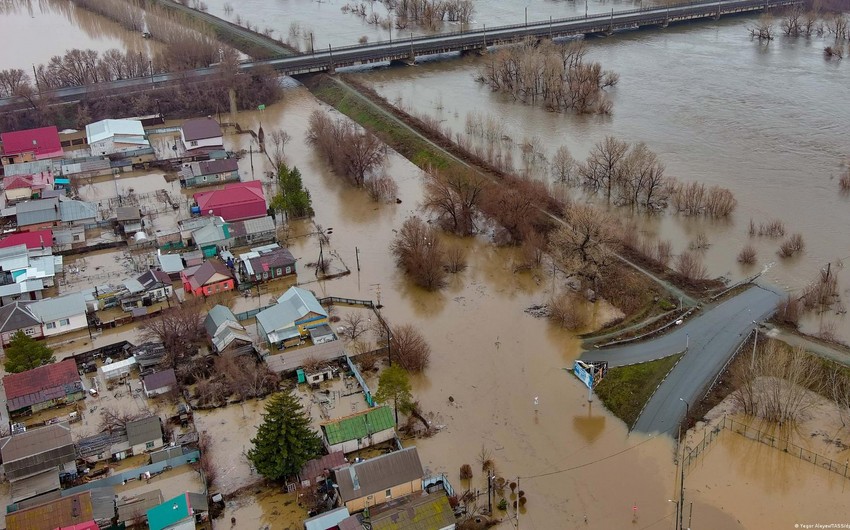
{"x":160,"y":382}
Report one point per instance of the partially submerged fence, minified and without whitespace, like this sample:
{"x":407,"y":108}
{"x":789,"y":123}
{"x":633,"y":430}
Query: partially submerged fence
{"x":771,"y":439}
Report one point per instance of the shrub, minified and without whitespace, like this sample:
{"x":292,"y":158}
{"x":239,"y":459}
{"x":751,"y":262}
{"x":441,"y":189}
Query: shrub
{"x":690,"y":265}
{"x":747,"y":256}
{"x":409,"y":348}
{"x":792,"y":246}
{"x":456,"y":260}
{"x":503,"y":505}
{"x":569,"y":312}
{"x":844,"y":181}
{"x":466,"y":472}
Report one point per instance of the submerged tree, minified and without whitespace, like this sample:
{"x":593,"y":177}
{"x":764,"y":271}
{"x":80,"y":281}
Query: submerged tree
{"x":25,"y":353}
{"x":292,"y":198}
{"x":394,"y":386}
{"x":284,"y":441}
{"x":418,"y":252}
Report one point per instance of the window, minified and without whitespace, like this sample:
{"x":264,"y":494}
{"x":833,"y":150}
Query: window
{"x":149,"y":445}
{"x":64,"y":322}
{"x":278,"y":272}
{"x":389,"y":494}
{"x":50,"y":325}
{"x":194,"y":143}
{"x":288,"y":270}
{"x":205,"y":178}
{"x":29,"y":331}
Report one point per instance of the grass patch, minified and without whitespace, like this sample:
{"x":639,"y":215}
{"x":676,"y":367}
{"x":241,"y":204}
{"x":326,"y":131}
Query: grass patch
{"x":626,"y":389}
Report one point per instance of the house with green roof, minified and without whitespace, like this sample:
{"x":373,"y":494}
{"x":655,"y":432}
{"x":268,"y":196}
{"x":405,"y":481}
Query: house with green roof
{"x":177,"y":513}
{"x":357,"y":431}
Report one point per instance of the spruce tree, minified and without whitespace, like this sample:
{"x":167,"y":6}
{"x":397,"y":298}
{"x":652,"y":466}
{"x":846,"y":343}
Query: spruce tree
{"x":284,"y":441}
{"x":25,"y":353}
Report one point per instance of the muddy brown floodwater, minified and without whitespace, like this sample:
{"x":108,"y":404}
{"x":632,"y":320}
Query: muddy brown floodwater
{"x":574,"y":459}
{"x":39,"y":29}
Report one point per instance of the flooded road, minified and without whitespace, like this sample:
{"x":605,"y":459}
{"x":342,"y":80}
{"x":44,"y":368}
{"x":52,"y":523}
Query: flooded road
{"x":768,"y":135}
{"x":26,"y":23}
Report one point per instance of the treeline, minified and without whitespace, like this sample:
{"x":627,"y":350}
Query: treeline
{"x":423,"y":13}
{"x":554,"y":75}
{"x":187,"y":98}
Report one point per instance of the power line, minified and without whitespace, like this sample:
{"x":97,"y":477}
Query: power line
{"x":592,"y":462}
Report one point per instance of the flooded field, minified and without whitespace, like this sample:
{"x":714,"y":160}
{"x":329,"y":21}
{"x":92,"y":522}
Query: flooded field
{"x":26,"y":23}
{"x":681,"y":92}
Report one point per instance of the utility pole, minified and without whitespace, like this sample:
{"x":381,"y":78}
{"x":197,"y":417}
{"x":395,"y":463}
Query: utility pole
{"x":357,"y":254}
{"x":755,"y":343}
{"x":518,"y":489}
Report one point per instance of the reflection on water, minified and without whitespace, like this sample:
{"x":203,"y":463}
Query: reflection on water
{"x":39,"y":29}
{"x":769,"y":135}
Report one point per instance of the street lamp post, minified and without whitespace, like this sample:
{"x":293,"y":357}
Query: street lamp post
{"x":755,"y":342}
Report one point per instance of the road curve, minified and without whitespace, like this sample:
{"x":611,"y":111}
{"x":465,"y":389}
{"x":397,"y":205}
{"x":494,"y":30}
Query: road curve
{"x":711,"y":339}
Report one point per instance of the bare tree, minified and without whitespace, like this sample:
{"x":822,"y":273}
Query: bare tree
{"x":582,"y":247}
{"x":419,"y":252}
{"x":353,"y":153}
{"x":354,"y":325}
{"x":409,"y":348}
{"x":792,"y":246}
{"x":689,"y":265}
{"x":563,"y":166}
{"x":603,"y":170}
{"x":763,"y":30}
{"x":454,"y":197}
{"x":179,"y":329}
{"x":569,"y":311}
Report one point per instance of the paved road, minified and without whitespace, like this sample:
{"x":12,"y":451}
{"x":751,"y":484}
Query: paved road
{"x":711,"y":339}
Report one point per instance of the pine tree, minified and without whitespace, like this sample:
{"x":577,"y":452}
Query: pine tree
{"x":25,"y":353}
{"x":284,"y":441}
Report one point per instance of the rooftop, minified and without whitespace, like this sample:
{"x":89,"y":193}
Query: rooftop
{"x":39,"y":211}
{"x":293,"y":305}
{"x":360,"y":425}
{"x":128,"y":213}
{"x":327,"y":520}
{"x":252,"y":226}
{"x":217,"y":316}
{"x":269,"y":260}
{"x":171,"y":263}
{"x":144,"y":430}
{"x":425,"y":512}
{"x":103,"y":129}
{"x":378,"y":474}
{"x":35,"y":239}
{"x":200,"y":129}
{"x":233,"y":194}
{"x":36,"y":442}
{"x":214,"y":167}
{"x":16,"y":316}
{"x":72,"y":210}
{"x":162,"y":379}
{"x":41,"y":384}
{"x":44,"y":141}
{"x":316,"y":467}
{"x":291,"y":360}
{"x":170,"y":512}
{"x":199,"y":275}
{"x":65,"y":306}
{"x":61,"y":512}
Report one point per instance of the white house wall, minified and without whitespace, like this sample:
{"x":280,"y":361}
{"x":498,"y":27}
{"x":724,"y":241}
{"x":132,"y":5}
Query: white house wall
{"x":74,"y":323}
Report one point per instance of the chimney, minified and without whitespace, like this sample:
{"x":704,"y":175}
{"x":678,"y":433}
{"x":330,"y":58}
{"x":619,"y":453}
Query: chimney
{"x":355,"y":482}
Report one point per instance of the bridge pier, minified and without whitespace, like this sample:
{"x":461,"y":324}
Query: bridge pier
{"x":664,"y":24}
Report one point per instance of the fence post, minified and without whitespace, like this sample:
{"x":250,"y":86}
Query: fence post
{"x":845,"y":468}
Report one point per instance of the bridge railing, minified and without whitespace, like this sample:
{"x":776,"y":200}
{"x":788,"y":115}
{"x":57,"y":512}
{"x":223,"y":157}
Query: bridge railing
{"x":546,"y":23}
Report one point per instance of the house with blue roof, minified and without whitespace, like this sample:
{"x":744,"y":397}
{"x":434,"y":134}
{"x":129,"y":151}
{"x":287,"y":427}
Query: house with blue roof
{"x":178,"y":513}
{"x":296,"y":312}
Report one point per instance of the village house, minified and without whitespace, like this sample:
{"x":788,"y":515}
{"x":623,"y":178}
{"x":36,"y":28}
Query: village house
{"x":38,"y":243}
{"x":62,"y":314}
{"x":30,"y":144}
{"x":43,"y":387}
{"x":68,"y":237}
{"x":149,"y":288}
{"x":170,"y":264}
{"x":318,"y":470}
{"x":209,"y":172}
{"x":296,"y":311}
{"x":267,"y":265}
{"x":236,"y":202}
{"x":33,"y":452}
{"x":159,"y":382}
{"x":226,"y":333}
{"x":97,"y":504}
{"x":207,"y":279}
{"x":23,"y":276}
{"x":38,"y":215}
{"x":129,"y":219}
{"x":77,"y":213}
{"x":201,"y":133}
{"x":212,"y":236}
{"x":252,"y":231}
{"x":25,"y":187}
{"x":103,"y":446}
{"x":144,"y":434}
{"x":106,"y":137}
{"x":431,"y":511}
{"x":178,"y":513}
{"x":133,"y":509}
{"x":357,"y":431}
{"x":379,"y":480}
{"x":16,"y":317}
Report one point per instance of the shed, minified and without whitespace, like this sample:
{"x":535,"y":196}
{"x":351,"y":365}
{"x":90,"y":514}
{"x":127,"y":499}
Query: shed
{"x":327,"y":520}
{"x":118,"y":369}
{"x":130,"y":219}
{"x":144,"y":434}
{"x":322,"y":334}
{"x":199,"y":133}
{"x":318,"y":469}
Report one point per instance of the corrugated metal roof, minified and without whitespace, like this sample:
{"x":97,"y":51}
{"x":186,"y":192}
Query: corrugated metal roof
{"x":138,"y":505}
{"x":35,"y":212}
{"x":200,"y":129}
{"x":253,"y":226}
{"x":293,"y":305}
{"x":169,"y":512}
{"x":378,"y":474}
{"x":38,"y":484}
{"x":290,"y":361}
{"x":65,"y":306}
{"x":360,"y":425}
{"x":42,"y":141}
{"x":159,"y":380}
{"x":426,"y":512}
{"x":327,"y":520}
{"x":103,"y":129}
{"x":56,"y":514}
{"x":42,"y":384}
{"x":37,"y":450}
{"x":317,"y":466}
{"x":145,"y":429}
{"x":171,"y":263}
{"x":216,"y":316}
{"x":72,"y":210}
{"x":15,"y":316}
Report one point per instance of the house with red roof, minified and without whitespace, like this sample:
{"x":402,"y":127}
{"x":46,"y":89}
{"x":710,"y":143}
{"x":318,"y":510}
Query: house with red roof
{"x":38,"y":242}
{"x":24,"y":187}
{"x":208,"y":278}
{"x":43,"y":387}
{"x":237,"y":201}
{"x":30,"y":145}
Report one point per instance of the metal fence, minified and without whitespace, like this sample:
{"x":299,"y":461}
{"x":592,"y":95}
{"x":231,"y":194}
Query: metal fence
{"x":770,"y":439}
